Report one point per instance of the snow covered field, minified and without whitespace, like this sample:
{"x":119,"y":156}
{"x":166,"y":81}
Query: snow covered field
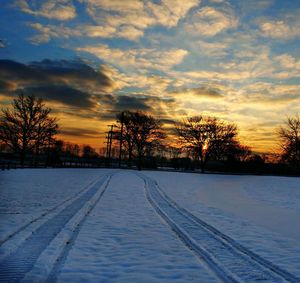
{"x":102,"y":225}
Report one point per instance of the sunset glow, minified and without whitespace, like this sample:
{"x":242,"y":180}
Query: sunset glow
{"x":91,"y":59}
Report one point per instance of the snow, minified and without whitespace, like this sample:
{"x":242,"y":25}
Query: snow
{"x":256,"y":219}
{"x":132,"y":244}
{"x":27,"y":194}
{"x":124,"y":232}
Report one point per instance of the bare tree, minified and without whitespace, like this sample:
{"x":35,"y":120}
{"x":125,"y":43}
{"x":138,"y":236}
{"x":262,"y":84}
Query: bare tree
{"x":290,"y":140}
{"x":125,"y":137}
{"x":140,"y":134}
{"x":88,"y":152}
{"x":206,"y":138}
{"x":147,"y":133}
{"x":27,"y":125}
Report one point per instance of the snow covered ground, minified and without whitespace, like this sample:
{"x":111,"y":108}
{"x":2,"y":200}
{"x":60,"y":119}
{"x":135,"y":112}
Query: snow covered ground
{"x":102,"y":225}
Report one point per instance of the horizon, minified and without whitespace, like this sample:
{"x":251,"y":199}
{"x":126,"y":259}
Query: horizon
{"x":235,"y":60}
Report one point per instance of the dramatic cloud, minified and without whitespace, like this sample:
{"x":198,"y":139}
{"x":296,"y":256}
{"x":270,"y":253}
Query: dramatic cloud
{"x":62,"y":10}
{"x":285,"y":27}
{"x":48,"y":32}
{"x":139,"y":14}
{"x":79,"y":132}
{"x":213,"y":49}
{"x":6,"y":86}
{"x":114,"y":19}
{"x":169,"y":12}
{"x":289,"y":62}
{"x":126,"y":102}
{"x":137,"y":58}
{"x":204,"y":91}
{"x":61,"y":93}
{"x":209,"y":21}
{"x":115,"y":103}
{"x":69,"y":82}
{"x":267,"y":93}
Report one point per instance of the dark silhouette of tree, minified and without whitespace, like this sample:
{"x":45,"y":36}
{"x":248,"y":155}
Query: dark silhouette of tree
{"x":27,"y":125}
{"x":89,"y":152}
{"x":125,"y":136}
{"x":146,"y":133}
{"x":290,"y":141}
{"x":238,"y":152}
{"x":141,"y":134}
{"x":207,"y":138}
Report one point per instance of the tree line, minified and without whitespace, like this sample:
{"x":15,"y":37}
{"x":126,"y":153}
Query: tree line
{"x":28,"y":133}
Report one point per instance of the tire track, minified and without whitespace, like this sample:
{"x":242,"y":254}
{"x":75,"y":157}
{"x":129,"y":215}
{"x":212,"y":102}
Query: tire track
{"x":65,"y":252}
{"x":14,"y":267}
{"x":229,"y":260}
{"x":47,"y":212}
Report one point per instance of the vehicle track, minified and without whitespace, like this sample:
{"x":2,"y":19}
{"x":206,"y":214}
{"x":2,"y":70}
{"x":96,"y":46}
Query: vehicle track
{"x":14,"y":267}
{"x":230,"y":261}
{"x":47,"y":212}
{"x":65,"y":252}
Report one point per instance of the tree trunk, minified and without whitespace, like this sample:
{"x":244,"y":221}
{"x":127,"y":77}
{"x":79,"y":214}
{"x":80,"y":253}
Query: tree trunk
{"x":22,"y":157}
{"x":140,"y":162}
{"x":129,"y":157}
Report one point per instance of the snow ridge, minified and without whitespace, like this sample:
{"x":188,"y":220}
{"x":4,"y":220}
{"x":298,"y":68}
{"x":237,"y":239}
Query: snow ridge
{"x":64,"y":253}
{"x":53,"y":209}
{"x":14,"y":266}
{"x":229,"y":260}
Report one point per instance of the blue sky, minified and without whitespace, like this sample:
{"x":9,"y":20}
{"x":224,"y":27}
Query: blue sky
{"x":237,"y":60}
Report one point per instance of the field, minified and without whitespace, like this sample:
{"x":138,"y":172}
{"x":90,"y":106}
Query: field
{"x":108,"y":225}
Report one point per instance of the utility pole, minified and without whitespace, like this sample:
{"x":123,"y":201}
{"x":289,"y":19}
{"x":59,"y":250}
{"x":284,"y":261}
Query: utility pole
{"x":109,"y":144}
{"x":121,"y":138}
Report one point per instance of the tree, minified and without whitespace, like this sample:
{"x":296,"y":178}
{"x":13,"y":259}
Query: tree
{"x":89,"y":152}
{"x":125,"y":137}
{"x":27,"y":125}
{"x":290,"y":140}
{"x":146,"y":132}
{"x":206,"y":138}
{"x":140,"y":134}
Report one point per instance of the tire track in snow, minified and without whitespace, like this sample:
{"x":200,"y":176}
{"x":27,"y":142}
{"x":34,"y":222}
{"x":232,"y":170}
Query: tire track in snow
{"x":47,"y":212}
{"x":65,"y":252}
{"x":228,"y":259}
{"x":14,"y":267}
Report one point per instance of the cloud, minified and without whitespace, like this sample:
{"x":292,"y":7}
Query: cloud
{"x":279,"y":30}
{"x":209,"y":21}
{"x":126,"y":102}
{"x":62,"y":10}
{"x":47,"y":32}
{"x":72,"y":83}
{"x":285,"y":27}
{"x":169,"y":12}
{"x":111,"y":19}
{"x":138,"y":59}
{"x":76,"y":72}
{"x":204,"y":91}
{"x":2,"y":43}
{"x":139,"y":14}
{"x":79,"y":132}
{"x":61,"y":93}
{"x":287,"y":61}
{"x":6,"y":86}
{"x":218,"y":75}
{"x":213,"y":49}
{"x":115,"y":103}
{"x":268,"y":93}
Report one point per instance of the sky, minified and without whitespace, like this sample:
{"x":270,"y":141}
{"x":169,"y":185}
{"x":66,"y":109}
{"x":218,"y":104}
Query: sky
{"x":238,"y":60}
